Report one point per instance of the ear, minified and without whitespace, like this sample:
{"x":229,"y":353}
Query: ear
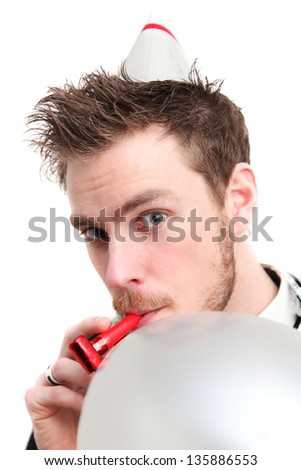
{"x":241,"y":196}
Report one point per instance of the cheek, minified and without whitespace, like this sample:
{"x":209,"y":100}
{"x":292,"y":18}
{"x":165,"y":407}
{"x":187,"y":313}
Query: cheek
{"x":196,"y":237}
{"x":184,"y":258}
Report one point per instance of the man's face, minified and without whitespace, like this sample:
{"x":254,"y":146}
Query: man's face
{"x":159,"y":258}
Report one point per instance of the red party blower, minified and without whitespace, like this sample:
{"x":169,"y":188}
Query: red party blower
{"x":89,"y":352}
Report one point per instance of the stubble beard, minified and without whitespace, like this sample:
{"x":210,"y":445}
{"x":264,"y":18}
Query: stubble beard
{"x":224,"y":283}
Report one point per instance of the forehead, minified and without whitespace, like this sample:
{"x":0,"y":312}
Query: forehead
{"x":143,"y":161}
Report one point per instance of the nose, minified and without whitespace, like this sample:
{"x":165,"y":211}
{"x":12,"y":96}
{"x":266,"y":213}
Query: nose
{"x":125,"y":265}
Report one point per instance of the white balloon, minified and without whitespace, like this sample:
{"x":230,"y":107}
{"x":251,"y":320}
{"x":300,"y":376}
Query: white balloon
{"x":199,"y":381}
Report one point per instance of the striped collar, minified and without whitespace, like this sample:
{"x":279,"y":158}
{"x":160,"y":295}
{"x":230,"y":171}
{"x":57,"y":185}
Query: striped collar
{"x":285,"y":305}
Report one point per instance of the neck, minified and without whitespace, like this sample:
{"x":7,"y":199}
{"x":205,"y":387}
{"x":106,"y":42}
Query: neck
{"x":254,"y":290}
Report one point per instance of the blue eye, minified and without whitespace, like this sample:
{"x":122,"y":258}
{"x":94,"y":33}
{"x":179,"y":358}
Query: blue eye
{"x":149,"y":221}
{"x":156,"y":218}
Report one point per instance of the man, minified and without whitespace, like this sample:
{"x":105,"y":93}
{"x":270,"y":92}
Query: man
{"x":159,"y":182}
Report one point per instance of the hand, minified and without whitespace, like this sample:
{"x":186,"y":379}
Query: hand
{"x":55,"y":410}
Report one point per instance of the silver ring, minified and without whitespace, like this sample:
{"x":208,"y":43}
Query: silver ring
{"x":50,"y":378}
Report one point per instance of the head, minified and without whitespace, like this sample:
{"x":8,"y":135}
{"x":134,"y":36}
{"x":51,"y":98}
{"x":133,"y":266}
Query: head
{"x":162,"y":149}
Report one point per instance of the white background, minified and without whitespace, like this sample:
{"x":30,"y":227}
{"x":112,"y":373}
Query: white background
{"x":253,"y":45}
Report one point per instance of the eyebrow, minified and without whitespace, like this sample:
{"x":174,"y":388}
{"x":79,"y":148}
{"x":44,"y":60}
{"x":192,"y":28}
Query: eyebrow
{"x":139,"y":200}
{"x":144,"y":198}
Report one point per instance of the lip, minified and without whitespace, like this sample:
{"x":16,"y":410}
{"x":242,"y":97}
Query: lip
{"x":141,"y":312}
{"x":149,"y":315}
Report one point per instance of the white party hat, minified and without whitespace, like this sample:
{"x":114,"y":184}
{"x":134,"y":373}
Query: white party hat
{"x":157,"y":55}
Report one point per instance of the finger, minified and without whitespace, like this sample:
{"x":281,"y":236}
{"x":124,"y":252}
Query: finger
{"x":87,"y":327}
{"x":41,"y":402}
{"x":67,"y":371}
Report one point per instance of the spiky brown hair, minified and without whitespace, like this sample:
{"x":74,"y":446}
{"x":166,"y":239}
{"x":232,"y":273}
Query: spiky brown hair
{"x":78,"y":122}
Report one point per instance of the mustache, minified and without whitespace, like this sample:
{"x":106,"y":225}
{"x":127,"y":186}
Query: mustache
{"x":126,"y":300}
